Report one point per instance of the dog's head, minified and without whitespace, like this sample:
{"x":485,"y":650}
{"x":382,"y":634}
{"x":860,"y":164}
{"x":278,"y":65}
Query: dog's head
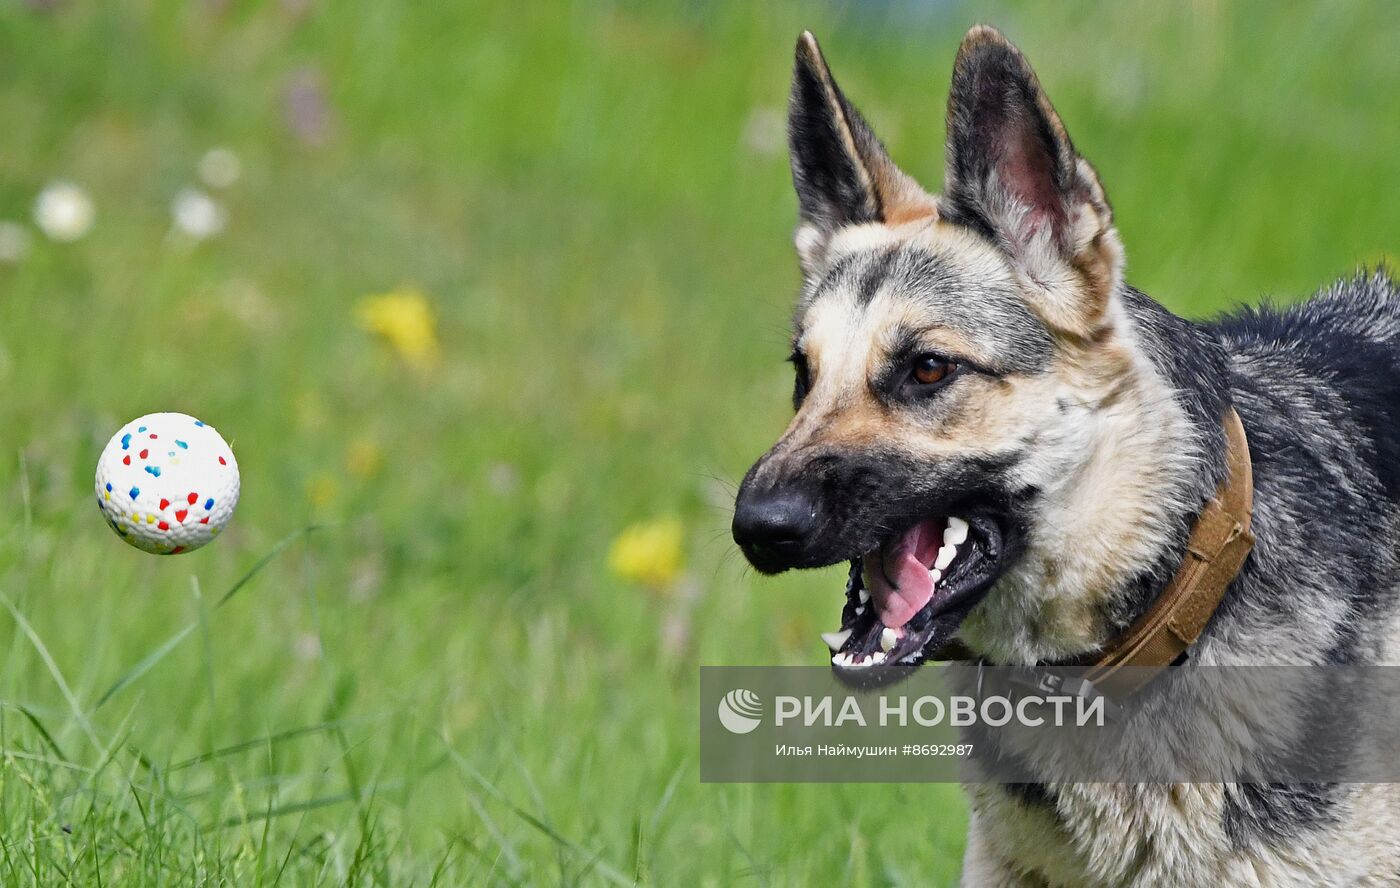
{"x":960,"y":360}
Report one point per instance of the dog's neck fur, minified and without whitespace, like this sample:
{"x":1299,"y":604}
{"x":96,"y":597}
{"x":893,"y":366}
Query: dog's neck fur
{"x":1117,"y":505}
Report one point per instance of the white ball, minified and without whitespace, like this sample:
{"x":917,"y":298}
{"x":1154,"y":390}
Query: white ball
{"x":167,"y":483}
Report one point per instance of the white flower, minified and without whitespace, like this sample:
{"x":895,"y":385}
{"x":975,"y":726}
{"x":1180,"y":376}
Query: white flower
{"x":197,"y":214}
{"x":64,"y":211}
{"x":307,"y":646}
{"x":220,"y":168}
{"x":14,"y":242}
{"x":503,"y":478}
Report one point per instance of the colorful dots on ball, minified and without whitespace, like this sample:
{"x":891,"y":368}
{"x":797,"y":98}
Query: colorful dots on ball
{"x":199,"y":471}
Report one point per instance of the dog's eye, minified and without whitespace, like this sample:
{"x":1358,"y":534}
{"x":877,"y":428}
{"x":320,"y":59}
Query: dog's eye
{"x":802,"y":379}
{"x":931,"y":369}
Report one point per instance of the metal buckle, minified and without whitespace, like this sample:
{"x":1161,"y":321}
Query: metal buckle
{"x":1047,"y":682}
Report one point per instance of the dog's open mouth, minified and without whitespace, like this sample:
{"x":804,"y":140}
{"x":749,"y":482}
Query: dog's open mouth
{"x":907,"y":598}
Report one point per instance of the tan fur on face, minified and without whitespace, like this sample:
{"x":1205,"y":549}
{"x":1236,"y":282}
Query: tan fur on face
{"x":847,"y":345}
{"x":1092,"y":451}
{"x":1093,"y":454}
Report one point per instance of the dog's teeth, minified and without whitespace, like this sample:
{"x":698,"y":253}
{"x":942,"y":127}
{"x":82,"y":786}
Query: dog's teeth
{"x":945,"y":554}
{"x":888,"y":638}
{"x":934,"y":576}
{"x":860,"y":610}
{"x":864,"y":596}
{"x":858,"y":661}
{"x":955,"y":533}
{"x":836,"y":640}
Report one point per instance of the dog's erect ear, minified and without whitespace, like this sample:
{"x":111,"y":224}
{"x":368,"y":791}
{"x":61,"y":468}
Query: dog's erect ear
{"x":1013,"y":175}
{"x":840,"y":170}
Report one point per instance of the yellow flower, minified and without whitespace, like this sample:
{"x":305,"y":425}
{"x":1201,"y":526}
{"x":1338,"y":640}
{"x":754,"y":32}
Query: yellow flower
{"x":364,"y":458}
{"x":405,"y":320}
{"x":648,"y":552}
{"x":321,"y":490}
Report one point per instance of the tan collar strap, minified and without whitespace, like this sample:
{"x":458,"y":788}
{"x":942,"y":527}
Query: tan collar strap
{"x":1215,"y":552}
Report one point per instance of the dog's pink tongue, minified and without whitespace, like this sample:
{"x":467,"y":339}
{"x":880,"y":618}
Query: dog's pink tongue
{"x":898,"y":579}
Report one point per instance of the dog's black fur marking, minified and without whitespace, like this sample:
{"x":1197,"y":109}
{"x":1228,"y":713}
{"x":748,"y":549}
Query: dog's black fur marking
{"x":1032,"y":794}
{"x":1276,"y":813}
{"x":876,"y":275}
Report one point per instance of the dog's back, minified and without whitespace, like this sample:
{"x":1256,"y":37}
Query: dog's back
{"x":1319,"y":385}
{"x":1339,"y":350}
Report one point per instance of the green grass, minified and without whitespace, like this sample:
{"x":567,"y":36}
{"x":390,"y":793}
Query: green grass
{"x":443,"y":683}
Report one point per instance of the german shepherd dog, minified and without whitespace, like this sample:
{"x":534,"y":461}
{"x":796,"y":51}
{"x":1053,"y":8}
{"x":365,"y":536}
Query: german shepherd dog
{"x":1011,"y":446}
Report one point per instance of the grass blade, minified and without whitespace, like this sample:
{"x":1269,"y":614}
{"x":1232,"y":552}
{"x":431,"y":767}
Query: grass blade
{"x":592,"y":859}
{"x":265,"y":561}
{"x":52,"y":665}
{"x":43,"y":731}
{"x":267,"y":740}
{"x":150,"y":660}
{"x":293,"y":808}
{"x":144,"y":666}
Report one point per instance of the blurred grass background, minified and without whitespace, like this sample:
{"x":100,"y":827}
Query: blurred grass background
{"x":446,"y":683}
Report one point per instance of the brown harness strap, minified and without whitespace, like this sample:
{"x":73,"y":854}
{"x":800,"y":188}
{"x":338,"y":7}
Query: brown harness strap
{"x":1215,"y":551}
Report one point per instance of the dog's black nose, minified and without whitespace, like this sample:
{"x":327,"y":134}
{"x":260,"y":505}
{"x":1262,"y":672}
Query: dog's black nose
{"x":772,"y":527}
